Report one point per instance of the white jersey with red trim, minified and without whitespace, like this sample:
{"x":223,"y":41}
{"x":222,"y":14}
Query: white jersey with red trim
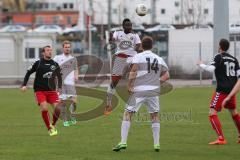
{"x":126,"y":42}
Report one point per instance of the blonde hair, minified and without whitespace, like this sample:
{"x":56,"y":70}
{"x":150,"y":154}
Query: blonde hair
{"x":66,"y":42}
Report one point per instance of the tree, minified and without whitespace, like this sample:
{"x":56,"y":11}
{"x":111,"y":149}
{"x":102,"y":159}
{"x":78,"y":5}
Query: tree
{"x":192,"y":11}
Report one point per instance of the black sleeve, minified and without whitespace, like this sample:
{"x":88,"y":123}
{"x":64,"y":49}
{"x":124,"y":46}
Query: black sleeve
{"x":31,"y":69}
{"x":217,"y":60}
{"x":59,"y":75}
{"x":237,"y":69}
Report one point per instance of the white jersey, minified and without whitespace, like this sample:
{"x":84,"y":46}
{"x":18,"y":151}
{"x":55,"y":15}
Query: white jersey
{"x":126,"y":42}
{"x":68,"y":64}
{"x":150,"y":67}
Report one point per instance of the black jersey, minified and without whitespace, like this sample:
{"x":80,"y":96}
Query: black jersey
{"x":227,"y":72}
{"x":46,"y":73}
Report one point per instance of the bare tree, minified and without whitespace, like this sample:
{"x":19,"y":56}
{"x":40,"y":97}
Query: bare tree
{"x":192,"y":11}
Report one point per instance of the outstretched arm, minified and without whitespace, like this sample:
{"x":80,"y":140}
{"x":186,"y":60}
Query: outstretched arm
{"x":30,"y":70}
{"x":209,"y":68}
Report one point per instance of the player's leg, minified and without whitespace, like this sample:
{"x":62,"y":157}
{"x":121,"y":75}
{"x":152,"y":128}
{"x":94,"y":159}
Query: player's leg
{"x":64,"y":113}
{"x":231,"y":106}
{"x":215,"y":107}
{"x":216,"y":125}
{"x":73,"y":105}
{"x":153,"y":109}
{"x":155,"y":130}
{"x":45,"y":115}
{"x":56,"y":113}
{"x":132,"y":107}
{"x":117,"y":71}
{"x":53,"y":99}
{"x":42,"y":102}
{"x":126,"y":122}
{"x":73,"y":108}
{"x":236,"y":119}
{"x":71,"y":95}
{"x":63,"y":106}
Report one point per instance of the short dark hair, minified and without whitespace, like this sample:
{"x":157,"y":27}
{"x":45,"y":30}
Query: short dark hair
{"x":147,"y":43}
{"x":224,"y":44}
{"x":126,"y":20}
{"x":43,"y":48}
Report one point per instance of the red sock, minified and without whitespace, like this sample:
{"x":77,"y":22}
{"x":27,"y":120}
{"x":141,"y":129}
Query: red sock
{"x":45,"y":117}
{"x":236,"y":119}
{"x":56,"y":114}
{"x":216,"y":126}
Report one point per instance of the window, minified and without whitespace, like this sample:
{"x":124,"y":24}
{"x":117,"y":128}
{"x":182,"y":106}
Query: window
{"x":30,"y":53}
{"x":163,"y":11}
{"x":71,"y":5}
{"x":55,"y":19}
{"x":205,"y":11}
{"x":238,"y":38}
{"x":177,"y":17}
{"x":53,"y":5}
{"x":65,"y":5}
{"x":115,"y":11}
{"x":40,"y":55}
{"x":39,"y":6}
{"x":69,"y":20}
{"x":125,"y":11}
{"x":149,"y":11}
{"x":39,"y":20}
{"x":45,"y":5}
{"x":190,"y":11}
{"x":176,"y":4}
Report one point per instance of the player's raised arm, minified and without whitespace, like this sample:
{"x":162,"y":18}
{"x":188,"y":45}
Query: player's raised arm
{"x":210,"y":68}
{"x":30,"y":70}
{"x":112,"y":37}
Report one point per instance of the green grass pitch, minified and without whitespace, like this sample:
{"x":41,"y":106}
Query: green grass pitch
{"x":23,"y":135}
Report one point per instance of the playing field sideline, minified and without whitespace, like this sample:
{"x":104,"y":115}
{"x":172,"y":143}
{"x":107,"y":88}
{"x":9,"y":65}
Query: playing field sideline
{"x":23,"y":136}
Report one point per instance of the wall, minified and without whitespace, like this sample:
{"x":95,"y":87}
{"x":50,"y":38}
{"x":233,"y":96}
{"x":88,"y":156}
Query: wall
{"x":184,"y":50}
{"x":13,"y":63}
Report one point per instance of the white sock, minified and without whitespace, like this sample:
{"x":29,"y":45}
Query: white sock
{"x":110,"y":92}
{"x":156,"y":132}
{"x":124,"y":131}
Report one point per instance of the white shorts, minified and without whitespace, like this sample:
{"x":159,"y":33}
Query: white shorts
{"x":135,"y":103}
{"x":68,"y":91}
{"x":120,"y":65}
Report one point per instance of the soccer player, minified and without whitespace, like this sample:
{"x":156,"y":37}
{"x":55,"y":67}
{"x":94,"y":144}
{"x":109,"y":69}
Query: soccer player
{"x":227,"y":72}
{"x":147,"y":72}
{"x":45,"y":87}
{"x":69,"y":68}
{"x":128,"y":44}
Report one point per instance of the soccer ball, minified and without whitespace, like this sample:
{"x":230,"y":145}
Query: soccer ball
{"x":141,"y":10}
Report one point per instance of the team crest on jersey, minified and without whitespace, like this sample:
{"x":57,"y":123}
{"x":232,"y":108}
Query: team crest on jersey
{"x":52,"y":67}
{"x":125,"y":44}
{"x":131,"y":38}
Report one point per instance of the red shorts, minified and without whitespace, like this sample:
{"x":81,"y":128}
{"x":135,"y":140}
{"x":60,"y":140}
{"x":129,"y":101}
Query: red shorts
{"x":48,"y":96}
{"x":217,"y":100}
